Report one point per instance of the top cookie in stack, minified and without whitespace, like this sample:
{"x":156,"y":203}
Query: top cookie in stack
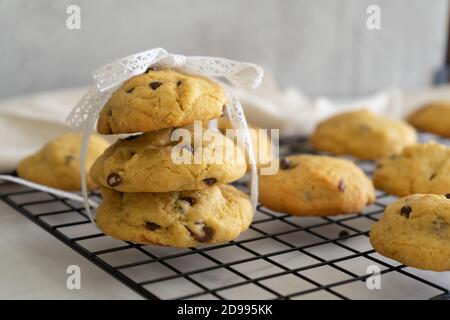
{"x":160,"y":99}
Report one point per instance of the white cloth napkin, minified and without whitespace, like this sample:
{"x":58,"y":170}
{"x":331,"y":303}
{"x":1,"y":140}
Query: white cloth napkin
{"x":295,"y":114}
{"x":27,"y":123}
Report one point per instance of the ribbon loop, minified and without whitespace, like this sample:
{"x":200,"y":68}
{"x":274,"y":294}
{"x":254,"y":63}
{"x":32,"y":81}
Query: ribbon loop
{"x":112,"y":74}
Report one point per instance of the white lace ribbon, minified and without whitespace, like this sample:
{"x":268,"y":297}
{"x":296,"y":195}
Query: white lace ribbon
{"x":56,"y":192}
{"x":109,"y":77}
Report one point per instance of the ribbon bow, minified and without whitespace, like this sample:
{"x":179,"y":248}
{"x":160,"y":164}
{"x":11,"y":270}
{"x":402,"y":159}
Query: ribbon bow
{"x":109,"y":77}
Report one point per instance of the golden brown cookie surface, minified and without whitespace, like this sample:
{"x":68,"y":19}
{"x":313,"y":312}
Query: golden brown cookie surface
{"x":433,"y":117}
{"x":309,"y":185}
{"x":178,"y":219}
{"x":144,"y":163}
{"x":160,"y":99}
{"x":415,"y":230}
{"x":363,"y":135}
{"x":57,"y":164}
{"x":420,"y":168}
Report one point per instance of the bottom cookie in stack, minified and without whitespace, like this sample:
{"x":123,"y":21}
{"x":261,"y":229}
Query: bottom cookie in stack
{"x":177,"y":219}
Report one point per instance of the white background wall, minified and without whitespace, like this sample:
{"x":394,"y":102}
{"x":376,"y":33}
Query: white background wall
{"x":321,"y":46}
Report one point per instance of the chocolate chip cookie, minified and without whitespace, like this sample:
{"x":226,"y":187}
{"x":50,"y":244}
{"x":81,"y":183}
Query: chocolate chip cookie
{"x":415,"y":230}
{"x":144,"y":163}
{"x":308,"y":185}
{"x":362,"y":134}
{"x":160,"y":99}
{"x":178,"y":219}
{"x":57,"y":164}
{"x":420,"y":168}
{"x":433,"y":117}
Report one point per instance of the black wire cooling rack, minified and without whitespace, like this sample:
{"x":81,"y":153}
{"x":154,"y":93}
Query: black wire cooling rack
{"x":279,"y":257}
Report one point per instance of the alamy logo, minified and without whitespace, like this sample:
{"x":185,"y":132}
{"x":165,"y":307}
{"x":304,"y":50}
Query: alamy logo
{"x":373,"y":281}
{"x":209,"y":146}
{"x":73,"y":281}
{"x":73,"y":21}
{"x":373,"y":21}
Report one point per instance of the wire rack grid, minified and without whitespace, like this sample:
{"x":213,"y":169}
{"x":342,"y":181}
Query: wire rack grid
{"x":279,"y":257}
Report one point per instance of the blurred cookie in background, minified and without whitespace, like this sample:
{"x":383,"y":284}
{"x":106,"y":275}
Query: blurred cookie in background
{"x":362,"y":134}
{"x":57,"y":164}
{"x":420,"y":168}
{"x":433,"y":117}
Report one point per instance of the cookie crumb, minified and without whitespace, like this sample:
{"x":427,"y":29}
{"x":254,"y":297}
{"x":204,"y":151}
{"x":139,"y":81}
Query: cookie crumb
{"x":343,"y":233}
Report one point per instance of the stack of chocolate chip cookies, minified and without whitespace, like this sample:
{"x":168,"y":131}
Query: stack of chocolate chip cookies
{"x":147,"y":196}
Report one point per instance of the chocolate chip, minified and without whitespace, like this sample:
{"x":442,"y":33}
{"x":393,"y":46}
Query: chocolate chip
{"x":69,"y":159}
{"x":364,"y":128}
{"x":155,"y":84}
{"x":130,"y":90}
{"x":179,"y":83}
{"x":379,"y":166}
{"x":208,"y":234}
{"x":189,"y":200}
{"x":210,"y":181}
{"x":447,"y":195}
{"x":433,"y":176}
{"x":343,"y":233}
{"x":285,"y":163}
{"x":152,"y":226}
{"x":150,"y":69}
{"x":341,"y":186}
{"x":406,"y":211}
{"x":113,"y":179}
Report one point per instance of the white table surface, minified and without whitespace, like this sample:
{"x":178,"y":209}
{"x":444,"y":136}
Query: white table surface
{"x":33,"y":265}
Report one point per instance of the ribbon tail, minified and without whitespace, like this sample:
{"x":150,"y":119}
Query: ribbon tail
{"x":84,"y":145}
{"x":237,"y":118}
{"x":56,"y":192}
{"x":88,"y":126}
